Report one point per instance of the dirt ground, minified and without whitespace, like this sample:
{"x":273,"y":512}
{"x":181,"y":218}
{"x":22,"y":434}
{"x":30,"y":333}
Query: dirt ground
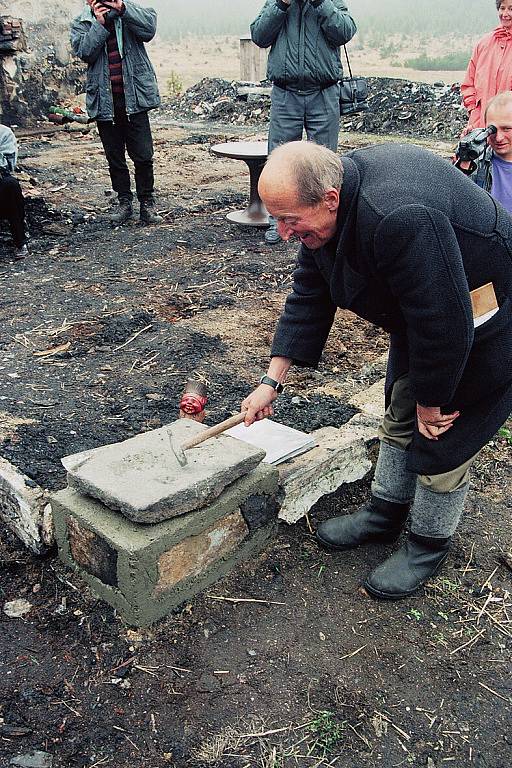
{"x":190,"y":59}
{"x":100,"y":329}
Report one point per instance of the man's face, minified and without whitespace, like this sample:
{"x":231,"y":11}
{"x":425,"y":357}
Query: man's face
{"x":313,"y":225}
{"x":505,"y":15}
{"x":501,"y":142}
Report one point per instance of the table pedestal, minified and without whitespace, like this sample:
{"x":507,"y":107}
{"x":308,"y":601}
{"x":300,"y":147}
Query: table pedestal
{"x":255,"y":215}
{"x":254,"y":154}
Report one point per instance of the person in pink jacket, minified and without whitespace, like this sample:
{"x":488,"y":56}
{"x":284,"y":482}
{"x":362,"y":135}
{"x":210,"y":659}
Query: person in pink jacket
{"x":490,"y":68}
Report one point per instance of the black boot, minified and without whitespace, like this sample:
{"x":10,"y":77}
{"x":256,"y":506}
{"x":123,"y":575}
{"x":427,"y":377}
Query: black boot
{"x":376,"y":521}
{"x":123,"y":214}
{"x":148,"y":213}
{"x":408,"y":568}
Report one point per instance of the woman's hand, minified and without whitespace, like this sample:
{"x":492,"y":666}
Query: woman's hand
{"x":467,"y":129}
{"x":259,"y":404}
{"x":432,"y":423}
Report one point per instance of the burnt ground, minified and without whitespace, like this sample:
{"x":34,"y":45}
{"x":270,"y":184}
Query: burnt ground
{"x":100,"y":329}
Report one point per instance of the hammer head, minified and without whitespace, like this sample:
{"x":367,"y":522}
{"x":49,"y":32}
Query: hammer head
{"x":177,"y":450}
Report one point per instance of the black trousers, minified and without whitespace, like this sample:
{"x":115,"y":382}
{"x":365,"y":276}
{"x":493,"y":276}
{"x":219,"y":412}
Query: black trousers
{"x":12,"y":208}
{"x":132,"y":135}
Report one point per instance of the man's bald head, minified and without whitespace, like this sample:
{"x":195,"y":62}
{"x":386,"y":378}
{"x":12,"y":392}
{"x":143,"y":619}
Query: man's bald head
{"x":301,"y":170}
{"x":502,"y":100}
{"x":499,"y":114}
{"x":300,"y":186}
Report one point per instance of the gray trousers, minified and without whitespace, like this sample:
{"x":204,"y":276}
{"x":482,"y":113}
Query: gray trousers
{"x":397,"y":429}
{"x":318,"y":112}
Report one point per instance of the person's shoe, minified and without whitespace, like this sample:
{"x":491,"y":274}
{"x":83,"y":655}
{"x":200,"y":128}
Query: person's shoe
{"x":272,"y":236}
{"x":21,"y":252}
{"x":148,"y":213}
{"x":376,"y":521}
{"x":408,"y":569}
{"x":123,"y":213}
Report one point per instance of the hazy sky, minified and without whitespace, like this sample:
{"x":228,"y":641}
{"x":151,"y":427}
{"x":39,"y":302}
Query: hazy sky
{"x":372,"y":16}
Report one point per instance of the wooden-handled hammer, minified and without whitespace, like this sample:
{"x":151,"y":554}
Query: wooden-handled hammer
{"x":179,"y":450}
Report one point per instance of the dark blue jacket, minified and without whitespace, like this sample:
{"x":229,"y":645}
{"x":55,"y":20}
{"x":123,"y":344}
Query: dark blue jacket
{"x":415,"y":236}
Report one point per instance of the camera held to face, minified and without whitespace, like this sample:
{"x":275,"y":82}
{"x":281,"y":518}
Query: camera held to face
{"x":474,"y":143}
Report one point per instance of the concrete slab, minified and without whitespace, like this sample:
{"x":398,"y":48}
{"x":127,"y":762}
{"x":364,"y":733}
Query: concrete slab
{"x":338,"y":458}
{"x":362,"y":426}
{"x":145,"y":571}
{"x":142,"y":479}
{"x":371,"y":400}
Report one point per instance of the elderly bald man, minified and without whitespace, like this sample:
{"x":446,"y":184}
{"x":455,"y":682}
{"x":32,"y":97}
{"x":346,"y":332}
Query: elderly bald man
{"x":400,"y":237}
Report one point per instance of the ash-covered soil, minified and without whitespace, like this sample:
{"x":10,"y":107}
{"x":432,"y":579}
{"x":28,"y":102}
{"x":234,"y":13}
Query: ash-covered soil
{"x":100,"y":329}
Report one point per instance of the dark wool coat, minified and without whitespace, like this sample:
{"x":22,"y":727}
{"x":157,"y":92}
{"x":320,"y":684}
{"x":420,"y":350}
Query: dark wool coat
{"x":414,"y":237}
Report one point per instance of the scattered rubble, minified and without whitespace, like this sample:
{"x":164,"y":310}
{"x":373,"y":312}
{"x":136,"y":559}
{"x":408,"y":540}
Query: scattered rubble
{"x":394,"y":106}
{"x":12,"y":37}
{"x":36,"y":65}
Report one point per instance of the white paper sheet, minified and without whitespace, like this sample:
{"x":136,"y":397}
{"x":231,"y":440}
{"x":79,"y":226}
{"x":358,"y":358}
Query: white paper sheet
{"x":280,"y":442}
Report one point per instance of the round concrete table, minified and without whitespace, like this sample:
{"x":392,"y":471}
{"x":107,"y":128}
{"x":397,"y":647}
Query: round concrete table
{"x":254,"y":153}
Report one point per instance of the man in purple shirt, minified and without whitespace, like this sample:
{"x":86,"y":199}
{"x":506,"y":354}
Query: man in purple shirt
{"x":493,"y":169}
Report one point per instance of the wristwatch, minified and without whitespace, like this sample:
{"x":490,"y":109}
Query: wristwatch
{"x":276,"y":385}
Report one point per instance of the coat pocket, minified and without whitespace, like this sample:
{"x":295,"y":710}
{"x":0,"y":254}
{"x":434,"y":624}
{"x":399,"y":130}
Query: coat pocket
{"x":146,"y":89}
{"x":92,"y":99}
{"x":489,"y":365}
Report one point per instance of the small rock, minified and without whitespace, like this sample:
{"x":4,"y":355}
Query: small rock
{"x":251,"y":652}
{"x":17,"y":608}
{"x":34,"y":760}
{"x":208,"y":684}
{"x":296,"y":400}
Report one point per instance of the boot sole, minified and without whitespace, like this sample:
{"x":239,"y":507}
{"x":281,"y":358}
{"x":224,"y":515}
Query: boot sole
{"x":399,"y":596}
{"x":388,"y":539}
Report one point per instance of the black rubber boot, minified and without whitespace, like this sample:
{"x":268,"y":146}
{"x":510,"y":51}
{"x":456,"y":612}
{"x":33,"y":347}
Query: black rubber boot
{"x":407,"y":569}
{"x":148,"y":213}
{"x":123,"y":213}
{"x":376,"y":521}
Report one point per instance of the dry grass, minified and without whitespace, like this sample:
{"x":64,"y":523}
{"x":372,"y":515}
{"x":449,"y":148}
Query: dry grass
{"x":256,"y":744}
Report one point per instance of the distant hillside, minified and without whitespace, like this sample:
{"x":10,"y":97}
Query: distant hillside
{"x":374,"y":17}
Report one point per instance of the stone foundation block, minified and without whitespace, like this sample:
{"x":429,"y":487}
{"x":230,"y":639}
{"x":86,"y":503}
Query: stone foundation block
{"x":338,"y":458}
{"x":145,"y":571}
{"x":142,"y":478}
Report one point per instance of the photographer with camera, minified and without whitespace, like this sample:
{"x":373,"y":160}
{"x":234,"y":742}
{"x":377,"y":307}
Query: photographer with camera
{"x":109,"y":36}
{"x":485,"y":155}
{"x":12,"y":203}
{"x":305,"y":68}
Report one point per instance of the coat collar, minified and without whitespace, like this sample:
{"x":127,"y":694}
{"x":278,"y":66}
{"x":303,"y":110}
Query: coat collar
{"x":345,"y":244}
{"x":349,"y":190}
{"x":87,"y":15}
